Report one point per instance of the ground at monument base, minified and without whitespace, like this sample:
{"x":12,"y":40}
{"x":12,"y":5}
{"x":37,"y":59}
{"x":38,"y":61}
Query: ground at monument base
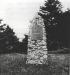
{"x":15,"y":64}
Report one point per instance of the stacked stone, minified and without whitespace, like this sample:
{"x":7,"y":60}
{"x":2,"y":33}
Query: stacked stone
{"x":37,"y":50}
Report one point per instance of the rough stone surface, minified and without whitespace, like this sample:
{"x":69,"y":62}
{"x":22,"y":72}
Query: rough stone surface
{"x":37,"y":50}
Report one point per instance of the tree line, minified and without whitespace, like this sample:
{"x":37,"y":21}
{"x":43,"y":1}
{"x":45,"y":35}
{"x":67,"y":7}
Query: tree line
{"x":57,"y":24}
{"x":9,"y":43}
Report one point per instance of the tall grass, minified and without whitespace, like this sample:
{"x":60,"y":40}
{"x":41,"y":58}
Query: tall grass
{"x":15,"y":64}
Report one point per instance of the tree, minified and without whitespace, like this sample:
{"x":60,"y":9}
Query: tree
{"x":8,"y":40}
{"x":66,"y":27}
{"x":52,"y":15}
{"x":25,"y":44}
{"x":22,"y":47}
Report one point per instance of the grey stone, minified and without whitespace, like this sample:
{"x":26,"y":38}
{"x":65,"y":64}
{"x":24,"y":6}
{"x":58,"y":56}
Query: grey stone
{"x":37,"y":50}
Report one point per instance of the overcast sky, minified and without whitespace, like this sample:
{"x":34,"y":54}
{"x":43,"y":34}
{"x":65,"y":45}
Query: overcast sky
{"x":18,"y":13}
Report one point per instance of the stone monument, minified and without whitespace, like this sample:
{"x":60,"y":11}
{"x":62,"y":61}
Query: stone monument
{"x":37,"y":49}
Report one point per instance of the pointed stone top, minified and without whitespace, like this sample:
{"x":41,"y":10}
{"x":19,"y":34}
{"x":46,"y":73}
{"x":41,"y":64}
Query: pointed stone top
{"x":37,"y":20}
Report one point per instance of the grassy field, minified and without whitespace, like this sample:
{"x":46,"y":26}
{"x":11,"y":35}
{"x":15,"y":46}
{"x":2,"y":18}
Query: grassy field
{"x":15,"y":64}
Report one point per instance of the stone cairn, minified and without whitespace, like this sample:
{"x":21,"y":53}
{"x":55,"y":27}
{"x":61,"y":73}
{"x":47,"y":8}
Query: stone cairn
{"x":37,"y":49}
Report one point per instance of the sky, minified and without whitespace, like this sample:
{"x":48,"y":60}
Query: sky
{"x":19,"y":13}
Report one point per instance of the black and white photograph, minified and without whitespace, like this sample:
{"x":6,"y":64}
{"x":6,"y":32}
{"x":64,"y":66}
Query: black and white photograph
{"x":34,"y":37}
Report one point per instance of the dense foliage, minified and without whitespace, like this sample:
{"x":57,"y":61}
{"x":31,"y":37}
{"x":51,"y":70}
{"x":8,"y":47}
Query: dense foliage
{"x":9,"y":43}
{"x":66,"y":28}
{"x":22,"y":47}
{"x":7,"y":39}
{"x":56,"y":24}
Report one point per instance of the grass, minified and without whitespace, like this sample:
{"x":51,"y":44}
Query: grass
{"x":15,"y":64}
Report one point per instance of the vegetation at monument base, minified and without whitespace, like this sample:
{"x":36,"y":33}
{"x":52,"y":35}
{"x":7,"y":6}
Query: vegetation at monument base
{"x":15,"y":64}
{"x":57,"y":24}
